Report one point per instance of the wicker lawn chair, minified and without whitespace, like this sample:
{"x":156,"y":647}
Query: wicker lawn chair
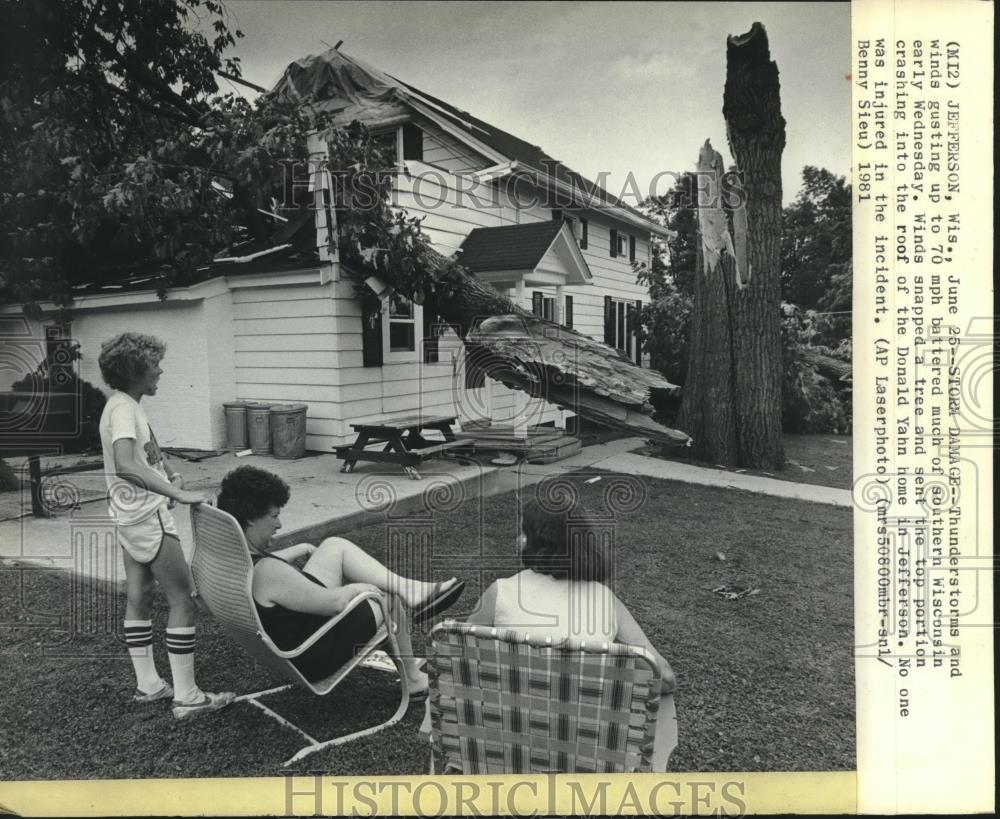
{"x":222,"y":571}
{"x":503,"y":702}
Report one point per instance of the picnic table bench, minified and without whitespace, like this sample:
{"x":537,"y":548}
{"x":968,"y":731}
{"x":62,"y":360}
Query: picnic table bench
{"x":403,"y":442}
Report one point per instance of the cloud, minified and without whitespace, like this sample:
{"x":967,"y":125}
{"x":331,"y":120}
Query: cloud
{"x":645,"y":66}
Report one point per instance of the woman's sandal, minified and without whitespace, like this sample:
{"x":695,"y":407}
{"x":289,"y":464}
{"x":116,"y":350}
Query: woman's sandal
{"x":440,"y":600}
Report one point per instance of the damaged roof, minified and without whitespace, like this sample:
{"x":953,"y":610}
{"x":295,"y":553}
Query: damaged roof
{"x":354,"y":89}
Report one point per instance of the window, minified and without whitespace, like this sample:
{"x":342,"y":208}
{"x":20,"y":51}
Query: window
{"x":402,"y":324}
{"x":389,"y":142}
{"x":544,"y":306}
{"x":621,"y":326}
{"x":413,"y":142}
{"x":402,"y":143}
{"x":621,"y":244}
{"x":568,"y":313}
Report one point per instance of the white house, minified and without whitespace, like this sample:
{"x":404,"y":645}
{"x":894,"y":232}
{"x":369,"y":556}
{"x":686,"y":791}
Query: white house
{"x":287,"y":326}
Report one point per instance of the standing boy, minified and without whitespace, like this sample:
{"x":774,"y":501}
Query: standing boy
{"x":140,"y":488}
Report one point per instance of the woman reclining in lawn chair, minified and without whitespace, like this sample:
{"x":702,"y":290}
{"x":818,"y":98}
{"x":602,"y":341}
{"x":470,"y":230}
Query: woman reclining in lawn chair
{"x":293,"y":603}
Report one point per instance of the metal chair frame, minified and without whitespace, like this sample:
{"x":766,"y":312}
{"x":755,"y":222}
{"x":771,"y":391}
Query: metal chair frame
{"x":223,"y":573}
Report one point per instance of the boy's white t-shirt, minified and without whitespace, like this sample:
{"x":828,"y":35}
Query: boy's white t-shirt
{"x":124,"y":417}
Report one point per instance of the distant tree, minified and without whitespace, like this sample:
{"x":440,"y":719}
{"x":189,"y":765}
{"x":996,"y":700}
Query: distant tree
{"x":816,"y":243}
{"x":666,"y":318}
{"x":677,"y":210}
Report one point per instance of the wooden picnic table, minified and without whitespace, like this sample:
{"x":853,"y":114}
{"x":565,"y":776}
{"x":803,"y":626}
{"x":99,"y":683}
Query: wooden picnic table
{"x":403,"y":442}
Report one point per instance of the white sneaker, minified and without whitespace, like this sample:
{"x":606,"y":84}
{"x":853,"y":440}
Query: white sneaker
{"x":208,"y":702}
{"x":161,"y":693}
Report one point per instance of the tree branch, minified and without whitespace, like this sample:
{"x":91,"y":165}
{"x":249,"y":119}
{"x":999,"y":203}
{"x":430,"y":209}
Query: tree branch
{"x":146,"y":78}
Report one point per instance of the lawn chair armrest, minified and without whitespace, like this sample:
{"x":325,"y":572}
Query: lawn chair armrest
{"x":329,"y":624}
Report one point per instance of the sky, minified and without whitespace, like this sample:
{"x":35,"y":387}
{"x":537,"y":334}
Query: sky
{"x":616,"y":87}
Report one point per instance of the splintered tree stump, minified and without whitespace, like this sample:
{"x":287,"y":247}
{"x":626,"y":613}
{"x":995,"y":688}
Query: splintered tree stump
{"x":732,"y":401}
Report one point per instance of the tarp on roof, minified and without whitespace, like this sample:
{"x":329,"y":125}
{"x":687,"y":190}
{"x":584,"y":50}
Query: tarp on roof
{"x":336,"y":82}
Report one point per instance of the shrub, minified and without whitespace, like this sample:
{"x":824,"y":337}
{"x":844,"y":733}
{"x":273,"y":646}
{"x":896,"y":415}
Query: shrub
{"x":61,"y":377}
{"x":811,"y":402}
{"x":667,"y":324}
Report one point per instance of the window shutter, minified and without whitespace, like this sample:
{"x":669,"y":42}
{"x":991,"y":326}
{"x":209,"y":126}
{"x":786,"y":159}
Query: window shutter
{"x":536,"y":303}
{"x":638,"y":326}
{"x":609,"y":321}
{"x":583,"y":234}
{"x":413,"y":142}
{"x":431,"y":339}
{"x":631,"y":248}
{"x":371,"y":331}
{"x":614,"y":243}
{"x":568,"y":318}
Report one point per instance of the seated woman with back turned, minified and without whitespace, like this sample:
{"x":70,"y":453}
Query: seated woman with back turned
{"x":294,"y":603}
{"x":561,"y":593}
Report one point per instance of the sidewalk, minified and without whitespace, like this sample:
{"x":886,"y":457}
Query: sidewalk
{"x":326,"y":502}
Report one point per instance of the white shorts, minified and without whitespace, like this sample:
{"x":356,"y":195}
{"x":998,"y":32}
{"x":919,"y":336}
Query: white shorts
{"x":143,"y":540}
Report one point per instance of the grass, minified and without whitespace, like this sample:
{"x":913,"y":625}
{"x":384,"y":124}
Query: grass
{"x":766,"y":681}
{"x":820,"y":459}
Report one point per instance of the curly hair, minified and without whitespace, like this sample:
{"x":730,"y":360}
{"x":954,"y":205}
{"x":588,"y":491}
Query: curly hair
{"x":126,"y":358}
{"x":249,"y":493}
{"x":563,"y":545}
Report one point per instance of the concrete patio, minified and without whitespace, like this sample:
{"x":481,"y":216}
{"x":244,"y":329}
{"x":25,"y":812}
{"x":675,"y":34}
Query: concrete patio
{"x":80,"y":537}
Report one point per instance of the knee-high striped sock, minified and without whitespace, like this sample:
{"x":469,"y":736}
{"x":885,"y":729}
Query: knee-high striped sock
{"x":180,"y":650}
{"x":139,"y":639}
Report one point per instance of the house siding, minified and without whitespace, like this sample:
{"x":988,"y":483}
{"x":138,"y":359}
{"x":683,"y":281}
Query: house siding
{"x":285,"y":351}
{"x":179,"y":413}
{"x":445,"y":152}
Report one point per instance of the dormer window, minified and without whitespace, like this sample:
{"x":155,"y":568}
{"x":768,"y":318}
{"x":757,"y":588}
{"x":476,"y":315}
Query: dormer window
{"x":403,"y":142}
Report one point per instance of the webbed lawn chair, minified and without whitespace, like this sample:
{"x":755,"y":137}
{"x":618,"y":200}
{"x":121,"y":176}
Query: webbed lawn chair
{"x":222,"y":571}
{"x":503,"y":702}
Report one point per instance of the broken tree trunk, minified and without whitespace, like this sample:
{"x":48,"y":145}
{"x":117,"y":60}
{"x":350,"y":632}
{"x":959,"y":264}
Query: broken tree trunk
{"x":707,"y":410}
{"x":740,"y":287}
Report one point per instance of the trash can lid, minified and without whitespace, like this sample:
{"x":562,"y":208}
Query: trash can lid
{"x":237,"y":403}
{"x":288,"y":408}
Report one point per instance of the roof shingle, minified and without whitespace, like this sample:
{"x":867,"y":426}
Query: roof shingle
{"x":512,"y":247}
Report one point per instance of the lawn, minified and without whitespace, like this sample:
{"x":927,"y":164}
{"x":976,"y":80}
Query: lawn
{"x":821,"y":459}
{"x":765,"y":681}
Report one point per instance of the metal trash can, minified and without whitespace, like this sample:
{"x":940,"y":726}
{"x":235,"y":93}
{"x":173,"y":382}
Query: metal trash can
{"x":259,"y":424}
{"x":288,"y":430}
{"x":236,"y":424}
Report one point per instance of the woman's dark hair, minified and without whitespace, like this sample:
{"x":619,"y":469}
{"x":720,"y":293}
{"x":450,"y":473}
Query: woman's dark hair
{"x":563,"y":545}
{"x":249,"y":493}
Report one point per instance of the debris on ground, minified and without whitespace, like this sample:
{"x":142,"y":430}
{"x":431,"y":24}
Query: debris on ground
{"x":734,"y":592}
{"x":194,"y":455}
